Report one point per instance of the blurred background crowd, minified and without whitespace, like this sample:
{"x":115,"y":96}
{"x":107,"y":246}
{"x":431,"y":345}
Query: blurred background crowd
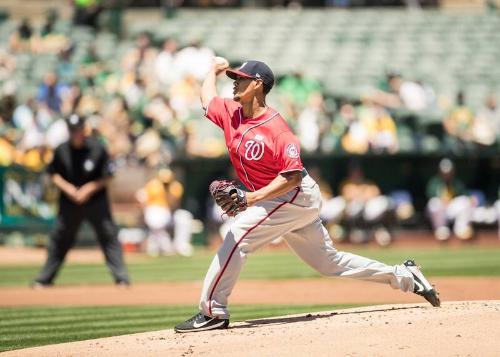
{"x":357,"y":89}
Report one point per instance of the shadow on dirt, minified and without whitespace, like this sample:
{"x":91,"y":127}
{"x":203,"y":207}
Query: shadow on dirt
{"x":311,"y":317}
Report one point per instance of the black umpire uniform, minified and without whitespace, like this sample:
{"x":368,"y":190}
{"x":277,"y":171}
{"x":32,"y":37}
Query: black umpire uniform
{"x":77,"y":162}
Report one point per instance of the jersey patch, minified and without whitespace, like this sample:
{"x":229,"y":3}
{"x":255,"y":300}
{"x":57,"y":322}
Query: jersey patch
{"x":292,"y":151}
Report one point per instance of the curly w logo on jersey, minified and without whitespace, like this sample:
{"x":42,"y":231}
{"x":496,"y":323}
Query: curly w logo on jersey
{"x":254,"y":150}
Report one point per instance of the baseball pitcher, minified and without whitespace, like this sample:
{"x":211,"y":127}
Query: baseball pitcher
{"x":282,"y":199}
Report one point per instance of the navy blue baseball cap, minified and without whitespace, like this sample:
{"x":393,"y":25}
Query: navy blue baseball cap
{"x":253,"y":70}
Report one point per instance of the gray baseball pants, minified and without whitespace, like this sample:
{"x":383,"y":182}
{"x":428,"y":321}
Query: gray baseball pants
{"x":295,"y":217}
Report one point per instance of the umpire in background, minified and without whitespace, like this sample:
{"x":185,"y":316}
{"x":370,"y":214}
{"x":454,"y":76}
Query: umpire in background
{"x":81,"y":170}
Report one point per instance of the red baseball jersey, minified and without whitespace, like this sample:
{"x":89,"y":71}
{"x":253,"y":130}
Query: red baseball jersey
{"x":260,"y":148}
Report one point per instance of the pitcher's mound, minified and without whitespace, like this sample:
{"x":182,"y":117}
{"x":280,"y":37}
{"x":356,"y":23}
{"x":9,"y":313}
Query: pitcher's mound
{"x":456,"y":329}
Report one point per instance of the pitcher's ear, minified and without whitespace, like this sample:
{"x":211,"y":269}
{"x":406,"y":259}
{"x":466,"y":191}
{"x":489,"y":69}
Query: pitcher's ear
{"x":259,"y":84}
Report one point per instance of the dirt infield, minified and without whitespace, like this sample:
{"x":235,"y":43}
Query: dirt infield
{"x":456,"y":329}
{"x":310,"y":291}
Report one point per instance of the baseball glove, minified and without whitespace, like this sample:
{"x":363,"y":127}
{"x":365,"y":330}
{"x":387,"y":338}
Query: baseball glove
{"x":228,"y":196}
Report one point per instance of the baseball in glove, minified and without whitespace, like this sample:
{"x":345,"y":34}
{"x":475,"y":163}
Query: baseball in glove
{"x":228,"y":196}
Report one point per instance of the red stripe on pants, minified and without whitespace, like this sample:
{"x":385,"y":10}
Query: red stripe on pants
{"x":236,"y":246}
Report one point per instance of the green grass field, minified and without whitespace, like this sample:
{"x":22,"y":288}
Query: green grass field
{"x":26,"y":327}
{"x":34,"y":326}
{"x":465,"y":261}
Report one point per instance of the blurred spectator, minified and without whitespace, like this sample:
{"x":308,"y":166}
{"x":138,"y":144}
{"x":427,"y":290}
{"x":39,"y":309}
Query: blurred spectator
{"x":66,"y":70}
{"x":25,"y":30}
{"x":195,"y":60}
{"x":90,"y":56}
{"x":57,"y":133}
{"x":91,"y":68}
{"x":312,"y":123}
{"x":71,"y":100}
{"x":36,"y":157}
{"x":148,"y":148}
{"x":403,"y":206}
{"x":185,"y":97}
{"x":449,"y":202}
{"x":161,"y":199}
{"x":403,"y":94}
{"x":52,"y":43}
{"x":368,"y":127}
{"x":24,"y":114}
{"x":355,"y":137}
{"x":86,"y":12}
{"x":366,"y":208}
{"x":201,"y":140}
{"x":332,"y":207}
{"x":296,"y":88}
{"x":134,"y":91}
{"x":50,"y":92}
{"x":90,"y":105}
{"x":114,"y":10}
{"x":159,"y":112}
{"x":7,"y":65}
{"x":7,"y":150}
{"x":7,"y":107}
{"x":48,"y":27}
{"x":33,"y":136}
{"x":159,"y":115}
{"x":459,"y":124}
{"x":487,"y":123}
{"x":141,"y":58}
{"x":166,"y":66}
{"x":483,"y":213}
{"x":115,"y":128}
{"x":20,"y":40}
{"x":380,"y":128}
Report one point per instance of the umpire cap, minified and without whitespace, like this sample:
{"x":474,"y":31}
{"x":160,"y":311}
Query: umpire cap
{"x":74,"y":121}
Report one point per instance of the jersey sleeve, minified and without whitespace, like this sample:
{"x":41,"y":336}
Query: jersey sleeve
{"x":220,"y":110}
{"x":287,"y":152}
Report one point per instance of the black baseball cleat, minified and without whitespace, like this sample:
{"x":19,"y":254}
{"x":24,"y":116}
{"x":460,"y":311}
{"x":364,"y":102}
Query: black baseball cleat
{"x":421,"y":286}
{"x":200,"y":322}
{"x":122,"y":284}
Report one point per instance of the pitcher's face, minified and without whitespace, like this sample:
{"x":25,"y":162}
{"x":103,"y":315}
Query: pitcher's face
{"x":245,"y":89}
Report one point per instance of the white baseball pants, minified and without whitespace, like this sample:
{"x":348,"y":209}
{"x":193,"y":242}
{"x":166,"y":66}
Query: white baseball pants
{"x":295,"y":216}
{"x":158,"y":219}
{"x":459,"y":210}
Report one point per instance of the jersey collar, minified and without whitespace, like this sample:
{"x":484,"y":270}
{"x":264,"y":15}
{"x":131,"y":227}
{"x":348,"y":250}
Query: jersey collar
{"x":263,"y":116}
